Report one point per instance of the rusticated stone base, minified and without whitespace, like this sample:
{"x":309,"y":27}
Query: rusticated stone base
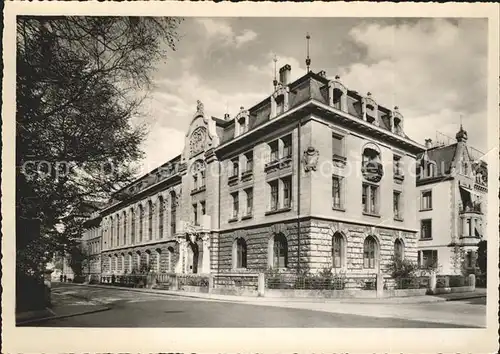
{"x":316,"y":246}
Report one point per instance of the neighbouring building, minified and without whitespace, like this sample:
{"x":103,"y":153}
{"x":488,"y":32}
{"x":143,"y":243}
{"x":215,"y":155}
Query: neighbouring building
{"x":91,"y":247}
{"x":314,"y":176}
{"x":452,"y":183}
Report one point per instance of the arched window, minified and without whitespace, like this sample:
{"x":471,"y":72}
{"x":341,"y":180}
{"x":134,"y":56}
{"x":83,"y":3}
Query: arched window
{"x":369,"y":252}
{"x":150,"y":220}
{"x":148,"y":260}
{"x":118,"y":229}
{"x":337,"y":250}
{"x":240,"y":253}
{"x":124,"y":227}
{"x":141,"y":222}
{"x":280,"y":251}
{"x":112,"y":227}
{"x":158,"y":260}
{"x":161,"y":211}
{"x":398,"y":249}
{"x":130,"y":262}
{"x":122,"y":262}
{"x":132,"y":226}
{"x":173,"y":213}
{"x":170,"y":259}
{"x":138,"y":256}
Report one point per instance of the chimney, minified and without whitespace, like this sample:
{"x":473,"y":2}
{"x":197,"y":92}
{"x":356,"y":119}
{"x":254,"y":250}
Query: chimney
{"x":428,"y":143}
{"x":285,"y":72}
{"x":322,"y":73}
{"x":227,"y":116}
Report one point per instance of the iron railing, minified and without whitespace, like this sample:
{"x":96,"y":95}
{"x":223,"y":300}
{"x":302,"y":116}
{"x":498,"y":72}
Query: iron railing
{"x":410,"y":283}
{"x":192,"y":280}
{"x":318,"y":282}
{"x":451,"y":281}
{"x":232,"y":280}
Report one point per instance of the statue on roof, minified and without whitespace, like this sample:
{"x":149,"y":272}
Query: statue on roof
{"x":199,"y":107}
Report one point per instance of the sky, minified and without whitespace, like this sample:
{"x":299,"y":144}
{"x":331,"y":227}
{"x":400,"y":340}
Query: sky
{"x":434,"y":70}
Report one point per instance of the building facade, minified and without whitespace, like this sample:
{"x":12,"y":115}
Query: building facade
{"x":314,"y":176}
{"x":452,"y":188}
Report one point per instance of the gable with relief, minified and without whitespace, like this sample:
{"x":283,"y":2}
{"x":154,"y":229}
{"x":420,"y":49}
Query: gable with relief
{"x":197,"y":141}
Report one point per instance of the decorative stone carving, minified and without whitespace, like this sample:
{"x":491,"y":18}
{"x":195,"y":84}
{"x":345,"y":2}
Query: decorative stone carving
{"x":373,"y":171}
{"x":197,"y":141}
{"x":277,"y":228}
{"x":200,"y":108}
{"x":310,"y":159}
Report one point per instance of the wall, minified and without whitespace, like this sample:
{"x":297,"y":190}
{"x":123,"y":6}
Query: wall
{"x":321,"y":180}
{"x":444,"y":221}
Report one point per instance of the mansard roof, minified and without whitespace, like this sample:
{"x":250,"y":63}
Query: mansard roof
{"x":310,"y":86}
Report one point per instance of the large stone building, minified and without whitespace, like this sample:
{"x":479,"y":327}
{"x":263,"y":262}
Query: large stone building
{"x":314,"y":176}
{"x":452,"y":183}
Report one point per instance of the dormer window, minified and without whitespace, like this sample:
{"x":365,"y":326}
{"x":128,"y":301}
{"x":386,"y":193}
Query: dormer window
{"x":397,"y":126}
{"x":242,"y":122}
{"x":280,"y":104}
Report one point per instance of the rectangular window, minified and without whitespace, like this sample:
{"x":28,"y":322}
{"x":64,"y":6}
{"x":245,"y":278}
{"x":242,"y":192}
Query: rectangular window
{"x":249,"y":161}
{"x":195,"y":214}
{"x":287,"y":146}
{"x":203,"y":208}
{"x":202,"y":175}
{"x":337,"y":145}
{"x":249,"y":193}
{"x":396,"y":160}
{"x":337,"y":192}
{"x":287,"y":192}
{"x":397,"y":204}
{"x":195,"y":181}
{"x":369,"y":198}
{"x":469,"y":227}
{"x":274,"y":195}
{"x":426,"y":229}
{"x":429,"y":258}
{"x":274,"y":151}
{"x":426,"y":203}
{"x":236,"y":168}
{"x":235,"y":205}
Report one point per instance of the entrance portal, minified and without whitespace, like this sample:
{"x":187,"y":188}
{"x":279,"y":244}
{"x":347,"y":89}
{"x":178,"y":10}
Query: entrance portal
{"x":192,"y":258}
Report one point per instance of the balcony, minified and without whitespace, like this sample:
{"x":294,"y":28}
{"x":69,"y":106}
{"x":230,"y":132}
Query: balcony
{"x":198,"y":190}
{"x":471,"y":207}
{"x":247,"y":175}
{"x":338,"y":160}
{"x":232,"y":180}
{"x":278,"y":164}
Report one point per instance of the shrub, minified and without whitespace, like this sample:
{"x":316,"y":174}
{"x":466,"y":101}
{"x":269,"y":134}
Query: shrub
{"x":402,"y":268}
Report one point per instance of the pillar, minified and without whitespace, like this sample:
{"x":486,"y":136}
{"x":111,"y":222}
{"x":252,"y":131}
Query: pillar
{"x":432,"y":282}
{"x":472,"y":281}
{"x":205,"y":265}
{"x":380,"y":285}
{"x":472,"y":225}
{"x":210,"y":283}
{"x":464,"y":226}
{"x":261,"y":284}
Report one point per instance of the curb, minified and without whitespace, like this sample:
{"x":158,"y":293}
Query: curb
{"x":43,"y":319}
{"x":207,"y":296}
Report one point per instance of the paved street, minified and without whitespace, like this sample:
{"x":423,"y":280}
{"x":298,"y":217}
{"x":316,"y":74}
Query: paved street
{"x":134,"y":309}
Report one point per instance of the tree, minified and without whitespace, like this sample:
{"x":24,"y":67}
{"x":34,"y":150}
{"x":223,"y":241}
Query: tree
{"x":482,"y":255}
{"x":80,"y":82}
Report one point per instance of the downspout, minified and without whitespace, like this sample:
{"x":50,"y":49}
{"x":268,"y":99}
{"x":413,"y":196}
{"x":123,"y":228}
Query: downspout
{"x":218,"y":222}
{"x":298,"y":194}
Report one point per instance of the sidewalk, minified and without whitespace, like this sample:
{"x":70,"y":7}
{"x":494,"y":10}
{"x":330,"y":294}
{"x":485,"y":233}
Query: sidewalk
{"x":63,"y":305}
{"x":236,"y":298}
